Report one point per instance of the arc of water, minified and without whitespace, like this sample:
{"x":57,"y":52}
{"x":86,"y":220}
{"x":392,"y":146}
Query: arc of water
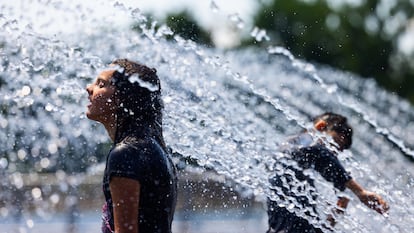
{"x":330,"y":89}
{"x":275,"y":102}
{"x":216,"y":63}
{"x":262,"y":92}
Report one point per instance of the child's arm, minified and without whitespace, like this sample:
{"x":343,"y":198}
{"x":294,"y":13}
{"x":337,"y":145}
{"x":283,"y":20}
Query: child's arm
{"x":370,"y":199}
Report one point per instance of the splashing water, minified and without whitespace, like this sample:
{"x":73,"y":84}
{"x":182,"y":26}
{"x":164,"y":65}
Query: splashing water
{"x":227,"y":110}
{"x":259,"y":34}
{"x":214,"y":7}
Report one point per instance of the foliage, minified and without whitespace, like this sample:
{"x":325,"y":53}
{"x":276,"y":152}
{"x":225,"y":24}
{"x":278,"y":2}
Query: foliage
{"x":184,"y":25}
{"x":359,"y":38}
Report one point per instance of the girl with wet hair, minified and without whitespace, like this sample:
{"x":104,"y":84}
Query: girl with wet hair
{"x":140,"y":181}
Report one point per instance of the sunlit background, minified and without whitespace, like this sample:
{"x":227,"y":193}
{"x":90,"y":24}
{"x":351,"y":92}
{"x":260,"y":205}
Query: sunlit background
{"x":238,"y":77}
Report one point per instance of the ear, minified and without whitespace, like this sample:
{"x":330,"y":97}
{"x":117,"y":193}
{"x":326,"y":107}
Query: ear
{"x":320,"y":125}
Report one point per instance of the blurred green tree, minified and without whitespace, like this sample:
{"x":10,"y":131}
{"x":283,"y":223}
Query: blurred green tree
{"x":184,"y":25}
{"x":181,"y":23}
{"x":359,"y":37}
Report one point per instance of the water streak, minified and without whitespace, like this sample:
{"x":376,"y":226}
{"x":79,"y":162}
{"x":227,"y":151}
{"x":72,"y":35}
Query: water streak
{"x":226,"y":110}
{"x":310,"y":70}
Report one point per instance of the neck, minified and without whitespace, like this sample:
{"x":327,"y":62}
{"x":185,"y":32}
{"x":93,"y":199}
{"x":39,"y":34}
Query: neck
{"x":110,"y":126}
{"x":111,"y":130}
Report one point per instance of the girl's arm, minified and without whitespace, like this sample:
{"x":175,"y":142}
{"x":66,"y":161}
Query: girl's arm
{"x":125,"y":194}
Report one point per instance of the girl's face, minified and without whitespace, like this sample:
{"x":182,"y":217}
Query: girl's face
{"x":102,"y":107}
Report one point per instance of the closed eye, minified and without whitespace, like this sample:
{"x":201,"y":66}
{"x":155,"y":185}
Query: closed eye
{"x":101,"y":83}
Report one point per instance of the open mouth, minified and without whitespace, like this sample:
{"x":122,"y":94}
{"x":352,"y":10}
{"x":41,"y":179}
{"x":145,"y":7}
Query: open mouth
{"x":90,"y":102}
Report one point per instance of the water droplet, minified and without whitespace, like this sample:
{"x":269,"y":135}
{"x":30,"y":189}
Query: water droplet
{"x":138,"y":16}
{"x":3,"y":163}
{"x":30,"y":223}
{"x":36,"y":193}
{"x":213,"y":6}
{"x":25,"y":91}
{"x":136,"y":79}
{"x":45,"y":162}
{"x":49,"y":107}
{"x":235,"y":18}
{"x":259,"y":34}
{"x":331,"y":88}
{"x":119,"y":5}
{"x":54,"y":198}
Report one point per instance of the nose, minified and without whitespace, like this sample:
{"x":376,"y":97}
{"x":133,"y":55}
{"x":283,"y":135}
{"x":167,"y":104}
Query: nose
{"x":89,"y":89}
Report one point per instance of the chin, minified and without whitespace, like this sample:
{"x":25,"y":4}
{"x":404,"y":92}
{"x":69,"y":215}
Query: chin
{"x":90,"y":113}
{"x":90,"y":116}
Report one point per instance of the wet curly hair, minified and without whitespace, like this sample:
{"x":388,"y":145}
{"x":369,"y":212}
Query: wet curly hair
{"x":138,"y":92}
